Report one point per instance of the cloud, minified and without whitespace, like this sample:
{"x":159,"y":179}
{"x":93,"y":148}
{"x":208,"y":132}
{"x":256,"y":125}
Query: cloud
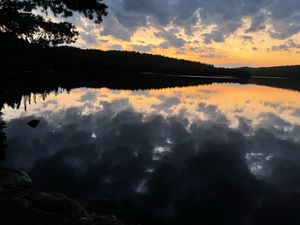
{"x":167,"y":103}
{"x":88,"y":38}
{"x":116,"y":47}
{"x":89,"y":96}
{"x":280,"y":19}
{"x":113,"y":28}
{"x":258,"y":22}
{"x":143,"y":48}
{"x":216,"y":36}
{"x":297,"y":112}
{"x":165,"y":170}
{"x":290,"y":44}
{"x":220,"y":33}
{"x":277,"y":106}
{"x":247,"y":38}
{"x":278,"y":48}
{"x":212,"y":113}
{"x":171,"y":39}
{"x":212,"y":55}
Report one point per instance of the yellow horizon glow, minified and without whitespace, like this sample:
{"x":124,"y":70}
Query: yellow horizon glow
{"x":233,"y":51}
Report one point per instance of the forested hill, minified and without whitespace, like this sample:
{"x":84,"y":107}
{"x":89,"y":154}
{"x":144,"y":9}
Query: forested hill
{"x":278,"y":71}
{"x":22,"y":57}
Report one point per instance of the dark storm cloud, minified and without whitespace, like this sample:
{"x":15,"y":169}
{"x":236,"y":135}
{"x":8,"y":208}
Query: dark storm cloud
{"x":166,"y":170}
{"x":226,"y":16}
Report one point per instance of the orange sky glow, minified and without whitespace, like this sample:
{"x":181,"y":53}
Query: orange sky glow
{"x":234,"y":52}
{"x":223,"y":33}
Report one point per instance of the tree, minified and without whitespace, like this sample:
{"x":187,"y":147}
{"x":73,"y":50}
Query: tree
{"x":24,"y":20}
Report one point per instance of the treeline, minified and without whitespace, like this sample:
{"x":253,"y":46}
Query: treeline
{"x":18,"y":56}
{"x":278,"y":71}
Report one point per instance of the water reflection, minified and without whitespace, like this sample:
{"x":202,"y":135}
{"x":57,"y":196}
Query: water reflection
{"x":200,"y":102}
{"x":2,"y":138}
{"x":216,"y":154}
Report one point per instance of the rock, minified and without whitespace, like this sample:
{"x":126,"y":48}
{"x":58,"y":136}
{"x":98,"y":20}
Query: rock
{"x":58,"y":203}
{"x":34,"y":208}
{"x":103,"y":211}
{"x":56,"y":208}
{"x":20,"y":205}
{"x":101,"y":206}
{"x":33,"y":123}
{"x":13,"y":178}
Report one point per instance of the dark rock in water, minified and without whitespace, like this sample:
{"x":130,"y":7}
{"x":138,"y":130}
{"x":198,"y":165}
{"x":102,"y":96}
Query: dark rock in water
{"x":19,"y":204}
{"x":106,"y":212}
{"x":33,"y":123}
{"x":13,"y":178}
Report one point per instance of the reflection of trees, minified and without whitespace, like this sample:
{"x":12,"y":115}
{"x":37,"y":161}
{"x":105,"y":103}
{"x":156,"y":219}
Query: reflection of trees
{"x":2,"y":125}
{"x":2,"y":138}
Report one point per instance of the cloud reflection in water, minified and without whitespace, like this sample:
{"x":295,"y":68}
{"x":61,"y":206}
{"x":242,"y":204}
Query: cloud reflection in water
{"x":170,"y":157}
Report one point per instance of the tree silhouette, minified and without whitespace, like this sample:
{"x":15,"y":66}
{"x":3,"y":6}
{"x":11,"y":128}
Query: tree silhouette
{"x":24,"y":20}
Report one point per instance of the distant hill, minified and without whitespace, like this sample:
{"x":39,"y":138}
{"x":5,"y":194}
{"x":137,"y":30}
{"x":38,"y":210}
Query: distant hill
{"x":21,"y":57}
{"x":278,"y":71}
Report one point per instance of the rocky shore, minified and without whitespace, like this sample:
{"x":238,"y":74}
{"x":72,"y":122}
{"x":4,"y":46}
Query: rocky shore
{"x":20,"y":204}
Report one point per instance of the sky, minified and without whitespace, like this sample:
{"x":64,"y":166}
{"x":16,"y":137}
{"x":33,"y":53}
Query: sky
{"x":227,"y":33}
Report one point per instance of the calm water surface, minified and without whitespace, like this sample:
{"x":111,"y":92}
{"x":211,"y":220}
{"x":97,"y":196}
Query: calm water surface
{"x":220,"y":152}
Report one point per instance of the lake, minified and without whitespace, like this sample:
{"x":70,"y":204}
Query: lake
{"x":220,"y":153}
